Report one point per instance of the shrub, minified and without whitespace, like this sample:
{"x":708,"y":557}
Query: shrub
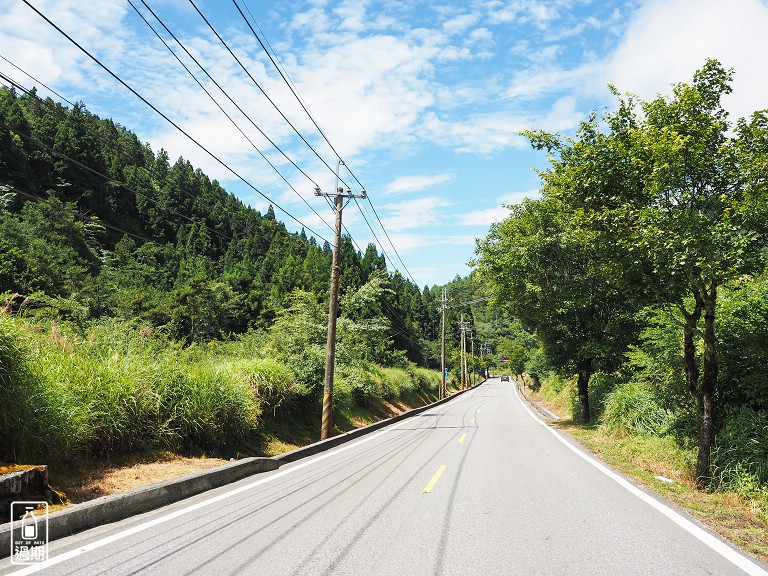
{"x":635,"y":408}
{"x":65,"y":396}
{"x":740,"y":452}
{"x":271,"y":383}
{"x":206,"y":408}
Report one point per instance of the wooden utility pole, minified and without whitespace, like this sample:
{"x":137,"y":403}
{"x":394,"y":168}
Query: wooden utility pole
{"x":443,"y":389}
{"x":326,"y":427}
{"x":472,"y":374}
{"x":463,"y":361}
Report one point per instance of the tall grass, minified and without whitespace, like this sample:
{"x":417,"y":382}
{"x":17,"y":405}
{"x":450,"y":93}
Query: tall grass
{"x":116,"y":391}
{"x":635,"y":408}
{"x":116,"y":388}
{"x":740,"y":453}
{"x":364,"y":384}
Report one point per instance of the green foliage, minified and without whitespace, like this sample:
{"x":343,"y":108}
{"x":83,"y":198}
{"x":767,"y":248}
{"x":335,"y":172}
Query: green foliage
{"x":546,"y":265}
{"x":159,"y":241}
{"x":740,"y":453}
{"x":742,"y":330}
{"x":119,"y":388}
{"x":635,"y":408}
{"x":70,"y":396}
{"x":658,"y":203}
{"x":271,"y":383}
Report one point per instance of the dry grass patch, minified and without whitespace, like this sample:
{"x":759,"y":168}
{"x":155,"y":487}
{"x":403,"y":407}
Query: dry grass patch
{"x":100,"y":478}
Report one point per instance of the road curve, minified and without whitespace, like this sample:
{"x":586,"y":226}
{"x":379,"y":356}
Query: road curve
{"x":475,"y":486}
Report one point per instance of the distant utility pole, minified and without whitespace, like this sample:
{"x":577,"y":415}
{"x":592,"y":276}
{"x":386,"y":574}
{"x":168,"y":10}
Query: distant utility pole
{"x":463,"y":326}
{"x":333,"y":308}
{"x":443,"y":389}
{"x":472,"y":374}
{"x":485,"y":348}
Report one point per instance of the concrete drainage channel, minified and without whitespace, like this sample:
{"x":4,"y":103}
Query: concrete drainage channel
{"x":117,"y":507}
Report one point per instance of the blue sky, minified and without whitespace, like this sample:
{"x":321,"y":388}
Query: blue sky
{"x":424,"y":100}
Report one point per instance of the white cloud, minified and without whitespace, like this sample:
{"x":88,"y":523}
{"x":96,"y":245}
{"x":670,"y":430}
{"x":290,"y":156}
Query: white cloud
{"x":562,"y":116}
{"x":484,"y":217}
{"x":352,"y":15}
{"x":536,"y":82}
{"x":416,"y":213}
{"x":517,"y":197}
{"x":405,"y":184}
{"x":480,"y":35}
{"x":365,"y":91}
{"x":35,"y":46}
{"x":409,"y":243}
{"x":667,"y":40}
{"x":523,"y":11}
{"x":498,"y":213}
{"x":481,"y":134}
{"x":459,"y":24}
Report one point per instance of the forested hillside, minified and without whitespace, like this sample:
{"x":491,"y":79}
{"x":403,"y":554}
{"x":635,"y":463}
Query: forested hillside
{"x":95,"y":224}
{"x":143,"y":306}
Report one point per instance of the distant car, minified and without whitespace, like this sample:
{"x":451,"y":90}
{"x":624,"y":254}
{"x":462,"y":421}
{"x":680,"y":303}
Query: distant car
{"x":505,"y":378}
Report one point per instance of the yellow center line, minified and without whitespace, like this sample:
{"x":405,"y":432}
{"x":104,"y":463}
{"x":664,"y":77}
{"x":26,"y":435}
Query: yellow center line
{"x":463,"y":437}
{"x":472,"y":421}
{"x":435,"y":478}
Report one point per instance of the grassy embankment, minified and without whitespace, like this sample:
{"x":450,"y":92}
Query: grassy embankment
{"x":623,"y":437}
{"x":112,"y":394}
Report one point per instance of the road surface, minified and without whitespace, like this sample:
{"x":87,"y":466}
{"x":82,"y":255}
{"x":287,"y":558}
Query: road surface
{"x":474,"y":486}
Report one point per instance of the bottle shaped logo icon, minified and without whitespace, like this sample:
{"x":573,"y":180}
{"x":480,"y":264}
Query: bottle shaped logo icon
{"x":29,"y":525}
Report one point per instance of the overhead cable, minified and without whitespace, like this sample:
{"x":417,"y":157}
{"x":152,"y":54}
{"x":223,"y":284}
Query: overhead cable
{"x":282,"y":114}
{"x":232,"y":121}
{"x":294,"y":91}
{"x":167,"y":119}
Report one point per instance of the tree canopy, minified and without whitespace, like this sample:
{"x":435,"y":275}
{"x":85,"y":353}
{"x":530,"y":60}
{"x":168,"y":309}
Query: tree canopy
{"x":657,"y":203}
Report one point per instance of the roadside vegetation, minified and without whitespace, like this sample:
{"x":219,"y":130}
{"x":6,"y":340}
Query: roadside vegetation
{"x":627,"y":437}
{"x":143,"y":307}
{"x":640,"y":280}
{"x":642,"y":271}
{"x":120,"y":388}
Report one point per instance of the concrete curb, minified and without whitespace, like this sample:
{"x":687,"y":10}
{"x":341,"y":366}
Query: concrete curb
{"x":115,"y":507}
{"x":543,"y":411}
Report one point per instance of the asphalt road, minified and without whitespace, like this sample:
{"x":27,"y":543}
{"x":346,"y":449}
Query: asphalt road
{"x":474,"y":486}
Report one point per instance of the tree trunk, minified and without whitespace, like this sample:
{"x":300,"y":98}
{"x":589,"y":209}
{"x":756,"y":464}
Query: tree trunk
{"x":708,"y":383}
{"x":584,"y":373}
{"x":689,"y":350}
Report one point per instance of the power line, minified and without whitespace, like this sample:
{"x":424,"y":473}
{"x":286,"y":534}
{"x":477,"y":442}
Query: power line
{"x":290,"y":84}
{"x":61,"y":112}
{"x":223,"y":42}
{"x":51,"y":90}
{"x":390,"y":240}
{"x":386,"y":303}
{"x":222,"y":109}
{"x":167,"y":119}
{"x":398,"y":320}
{"x":99,"y":221}
{"x":294,"y":91}
{"x":107,"y":178}
{"x":285,"y":78}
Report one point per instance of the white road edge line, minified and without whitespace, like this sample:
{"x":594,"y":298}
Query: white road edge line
{"x":32,"y":569}
{"x":708,"y":539}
